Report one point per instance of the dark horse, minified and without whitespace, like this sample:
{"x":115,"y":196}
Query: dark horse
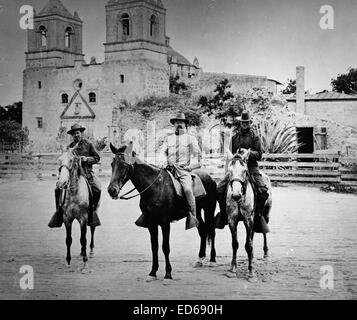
{"x":159,"y":203}
{"x":75,"y":202}
{"x":240,"y":207}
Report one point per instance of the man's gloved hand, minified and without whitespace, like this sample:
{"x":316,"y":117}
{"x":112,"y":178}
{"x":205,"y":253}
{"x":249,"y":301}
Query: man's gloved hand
{"x":246,"y":154}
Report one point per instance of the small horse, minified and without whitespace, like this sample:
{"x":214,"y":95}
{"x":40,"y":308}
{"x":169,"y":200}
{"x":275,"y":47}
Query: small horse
{"x":75,"y":203}
{"x":159,"y":203}
{"x":240,"y":207}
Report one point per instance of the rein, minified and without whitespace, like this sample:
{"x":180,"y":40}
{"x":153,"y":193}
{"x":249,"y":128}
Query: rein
{"x":244,"y":183}
{"x":123,"y":197}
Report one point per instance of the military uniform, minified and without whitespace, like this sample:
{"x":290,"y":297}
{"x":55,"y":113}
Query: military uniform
{"x":180,"y":152}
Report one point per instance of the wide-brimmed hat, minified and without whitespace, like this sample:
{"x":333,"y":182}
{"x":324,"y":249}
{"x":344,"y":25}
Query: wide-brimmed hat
{"x":76,"y":127}
{"x":180,"y":116}
{"x":245,"y":117}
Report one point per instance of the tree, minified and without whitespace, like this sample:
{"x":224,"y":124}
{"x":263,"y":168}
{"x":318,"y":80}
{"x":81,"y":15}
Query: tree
{"x":12,"y":133}
{"x":290,"y":87}
{"x":346,"y":83}
{"x":176,"y":86}
{"x":215,"y":104}
{"x":227,"y":107}
{"x":12,"y":112}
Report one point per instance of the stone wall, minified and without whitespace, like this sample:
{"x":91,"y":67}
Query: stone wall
{"x":239,"y":83}
{"x":341,"y":111}
{"x":339,"y":137}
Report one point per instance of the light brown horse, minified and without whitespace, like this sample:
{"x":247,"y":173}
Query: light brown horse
{"x":240,"y":207}
{"x":75,"y":200}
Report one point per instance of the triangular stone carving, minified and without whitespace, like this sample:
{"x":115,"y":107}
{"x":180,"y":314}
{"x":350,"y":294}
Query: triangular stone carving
{"x":78,"y":108}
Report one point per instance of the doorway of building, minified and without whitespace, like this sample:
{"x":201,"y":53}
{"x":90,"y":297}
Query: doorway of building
{"x":305,"y":137}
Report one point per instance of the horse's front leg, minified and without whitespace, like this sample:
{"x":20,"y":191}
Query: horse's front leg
{"x":84,"y":241}
{"x":68,"y":241}
{"x":235,"y":244}
{"x":166,"y":250}
{"x":265,"y":248}
{"x":154,"y":249}
{"x":91,"y":253}
{"x":248,"y":223}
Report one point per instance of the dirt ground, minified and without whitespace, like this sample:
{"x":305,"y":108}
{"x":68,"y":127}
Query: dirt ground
{"x":310,"y":229}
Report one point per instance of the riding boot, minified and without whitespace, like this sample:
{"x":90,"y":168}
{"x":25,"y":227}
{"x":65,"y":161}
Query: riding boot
{"x":221,"y":219}
{"x":260,"y":224}
{"x":93,"y":219}
{"x":57,"y":218}
{"x":191,"y":220}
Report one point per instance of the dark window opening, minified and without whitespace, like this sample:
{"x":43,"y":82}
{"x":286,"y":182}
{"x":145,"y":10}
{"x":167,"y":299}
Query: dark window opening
{"x":125,"y":21}
{"x":121,"y":78}
{"x":68,"y":37}
{"x":65,"y":98}
{"x":39,"y":123}
{"x":92,"y":97}
{"x":39,"y":84}
{"x":152,"y":25}
{"x":43,"y":33}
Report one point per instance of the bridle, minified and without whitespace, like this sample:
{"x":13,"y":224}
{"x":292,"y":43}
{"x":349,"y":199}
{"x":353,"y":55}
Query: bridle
{"x":244,"y":183}
{"x":123,"y":197}
{"x":69,"y":170}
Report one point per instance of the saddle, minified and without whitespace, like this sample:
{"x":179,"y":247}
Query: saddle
{"x":198,"y":188}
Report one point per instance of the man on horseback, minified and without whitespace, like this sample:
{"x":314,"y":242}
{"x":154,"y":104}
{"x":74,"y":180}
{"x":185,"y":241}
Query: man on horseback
{"x":247,"y":141}
{"x":89,"y":156}
{"x":181,"y":151}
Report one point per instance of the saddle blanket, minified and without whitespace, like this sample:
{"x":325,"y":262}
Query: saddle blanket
{"x":198,"y":189}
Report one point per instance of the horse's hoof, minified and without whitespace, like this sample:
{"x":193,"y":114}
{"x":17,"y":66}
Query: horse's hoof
{"x":91,"y":255}
{"x":252,"y":278}
{"x":266,"y":256}
{"x":230,"y":274}
{"x":85,"y":269}
{"x":212,"y":264}
{"x":199,"y":263}
{"x":150,"y":279}
{"x":167,"y":281}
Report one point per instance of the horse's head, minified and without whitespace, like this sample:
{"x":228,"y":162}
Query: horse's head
{"x":238,"y":176}
{"x":67,"y":163}
{"x":122,"y":166}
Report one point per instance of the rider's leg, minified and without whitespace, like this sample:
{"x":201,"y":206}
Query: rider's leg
{"x":221,"y":218}
{"x":262,"y":196}
{"x":93,"y":219}
{"x":57,"y":218}
{"x":185,"y":179}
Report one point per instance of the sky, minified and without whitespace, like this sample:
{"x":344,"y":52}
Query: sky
{"x":257,"y":37}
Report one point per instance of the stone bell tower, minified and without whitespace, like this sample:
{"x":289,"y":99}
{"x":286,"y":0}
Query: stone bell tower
{"x":135,"y":48}
{"x":135,"y":30}
{"x":56,"y":39}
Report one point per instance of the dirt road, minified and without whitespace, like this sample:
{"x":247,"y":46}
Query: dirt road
{"x":310,"y":230}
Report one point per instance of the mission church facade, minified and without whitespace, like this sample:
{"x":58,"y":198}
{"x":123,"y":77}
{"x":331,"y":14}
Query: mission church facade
{"x":60,"y":88}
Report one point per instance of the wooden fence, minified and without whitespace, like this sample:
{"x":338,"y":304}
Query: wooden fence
{"x":308,"y":168}
{"x":313,"y":168}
